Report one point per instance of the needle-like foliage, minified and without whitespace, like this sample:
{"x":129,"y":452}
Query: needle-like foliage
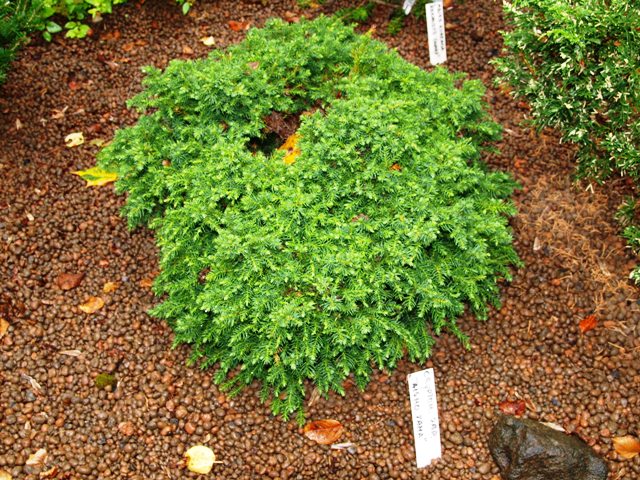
{"x":316,"y":265}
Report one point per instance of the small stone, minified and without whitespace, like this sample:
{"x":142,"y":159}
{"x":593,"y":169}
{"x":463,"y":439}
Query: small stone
{"x":456,"y":438}
{"x":126,"y":428}
{"x":528,"y":450}
{"x":181,"y":412}
{"x":189,"y":428}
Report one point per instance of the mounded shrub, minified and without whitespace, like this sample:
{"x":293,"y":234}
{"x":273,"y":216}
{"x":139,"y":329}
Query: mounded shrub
{"x":355,"y":244}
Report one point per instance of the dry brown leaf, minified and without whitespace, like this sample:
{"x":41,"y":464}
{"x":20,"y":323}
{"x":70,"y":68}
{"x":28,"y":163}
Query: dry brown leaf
{"x":516,"y":408}
{"x":315,"y":396}
{"x":71,"y":353}
{"x":537,"y":244}
{"x":324,"y":432}
{"x":37,"y":459}
{"x":146,"y":282}
{"x":68,"y":281}
{"x":93,"y":304}
{"x":109,"y":287}
{"x":111,"y":36}
{"x":57,"y":114}
{"x":588,"y":323}
{"x":291,"y":17}
{"x":187,"y":50}
{"x":396,"y":167}
{"x":51,"y":473}
{"x":4,"y":326}
{"x":627,"y":446}
{"x":520,"y":165}
{"x":447,"y":3}
{"x":555,"y":426}
{"x":342,"y":446}
{"x":37,"y":388}
{"x":238,"y":26}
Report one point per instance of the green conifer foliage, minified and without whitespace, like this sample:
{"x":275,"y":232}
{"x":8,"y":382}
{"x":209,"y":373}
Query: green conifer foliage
{"x":360,"y":251}
{"x":17,"y":19}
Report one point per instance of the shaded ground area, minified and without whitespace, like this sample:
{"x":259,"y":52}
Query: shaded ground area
{"x":532,"y":349}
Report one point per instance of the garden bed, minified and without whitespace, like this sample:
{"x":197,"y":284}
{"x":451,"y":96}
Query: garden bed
{"x":532,"y":349}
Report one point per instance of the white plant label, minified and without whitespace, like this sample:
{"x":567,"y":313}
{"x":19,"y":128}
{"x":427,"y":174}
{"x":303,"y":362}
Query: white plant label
{"x":435,"y":32}
{"x":407,"y":6}
{"x":424,"y":410}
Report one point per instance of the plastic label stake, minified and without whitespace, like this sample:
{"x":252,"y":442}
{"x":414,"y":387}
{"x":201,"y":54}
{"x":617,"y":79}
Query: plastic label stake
{"x":407,"y":6}
{"x":424,"y":410}
{"x":435,"y":33}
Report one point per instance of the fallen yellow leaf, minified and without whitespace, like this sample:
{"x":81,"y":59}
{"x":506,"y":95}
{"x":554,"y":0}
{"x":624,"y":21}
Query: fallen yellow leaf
{"x":291,"y":147}
{"x":93,"y":304}
{"x":37,"y":459}
{"x":110,"y":287}
{"x":96,"y":176}
{"x":627,"y":446}
{"x":98,"y":142}
{"x":4,"y":326}
{"x":208,"y":41}
{"x":200,"y":459}
{"x":74,"y":139}
{"x":4,"y":475}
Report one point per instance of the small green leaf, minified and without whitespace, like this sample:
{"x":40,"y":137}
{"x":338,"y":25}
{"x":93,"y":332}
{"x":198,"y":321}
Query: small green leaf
{"x":53,"y":27}
{"x":76,"y":30}
{"x":185,"y":7}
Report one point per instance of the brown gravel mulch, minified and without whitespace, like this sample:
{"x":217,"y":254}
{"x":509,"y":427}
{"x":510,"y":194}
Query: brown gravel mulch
{"x":532,"y":349}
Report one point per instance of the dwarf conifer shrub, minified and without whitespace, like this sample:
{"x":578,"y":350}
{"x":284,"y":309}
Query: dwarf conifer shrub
{"x":17,"y":19}
{"x":357,"y":243}
{"x":577,"y":62}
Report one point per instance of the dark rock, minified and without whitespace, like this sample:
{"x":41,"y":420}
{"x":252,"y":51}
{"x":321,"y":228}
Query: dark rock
{"x":528,"y":450}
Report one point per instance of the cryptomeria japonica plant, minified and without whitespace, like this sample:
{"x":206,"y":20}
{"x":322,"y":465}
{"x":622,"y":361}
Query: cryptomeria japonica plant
{"x":354,"y":244}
